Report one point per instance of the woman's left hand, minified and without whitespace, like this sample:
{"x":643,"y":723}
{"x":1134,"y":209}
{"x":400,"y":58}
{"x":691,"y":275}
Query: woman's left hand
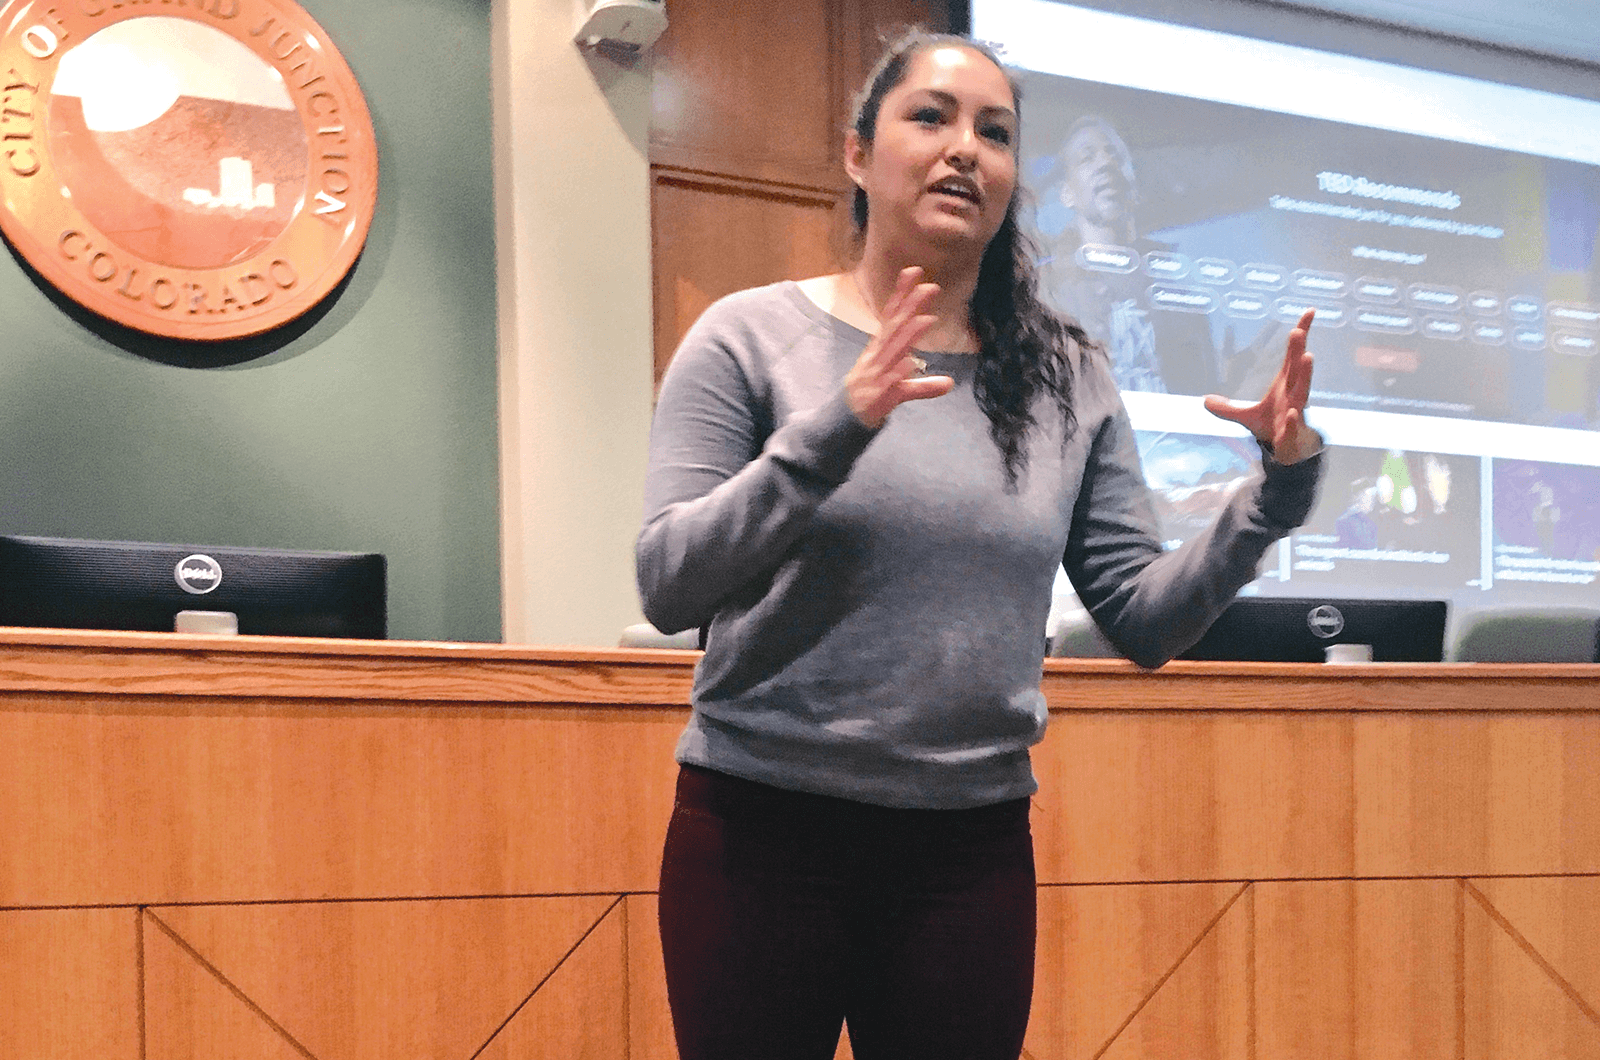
{"x":1278,"y":419}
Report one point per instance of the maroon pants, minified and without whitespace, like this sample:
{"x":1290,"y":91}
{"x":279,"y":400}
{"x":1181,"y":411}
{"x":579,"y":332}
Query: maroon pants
{"x":785,"y":914}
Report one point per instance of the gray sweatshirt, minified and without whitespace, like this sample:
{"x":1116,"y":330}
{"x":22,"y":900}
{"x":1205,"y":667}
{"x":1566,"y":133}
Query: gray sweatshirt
{"x":876,"y":599}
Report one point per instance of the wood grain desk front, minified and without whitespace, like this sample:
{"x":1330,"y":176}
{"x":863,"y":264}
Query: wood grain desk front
{"x":266,"y":847}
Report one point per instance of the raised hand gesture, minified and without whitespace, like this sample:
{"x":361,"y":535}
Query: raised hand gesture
{"x":1278,"y":419}
{"x":888,"y":370}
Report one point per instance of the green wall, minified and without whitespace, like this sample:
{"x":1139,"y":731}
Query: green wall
{"x":374,"y":429}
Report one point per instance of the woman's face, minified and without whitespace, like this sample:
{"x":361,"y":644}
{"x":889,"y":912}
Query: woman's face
{"x":943,"y":164}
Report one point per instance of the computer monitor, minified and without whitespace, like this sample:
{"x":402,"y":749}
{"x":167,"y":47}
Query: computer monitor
{"x":1300,"y":629}
{"x":129,"y":585}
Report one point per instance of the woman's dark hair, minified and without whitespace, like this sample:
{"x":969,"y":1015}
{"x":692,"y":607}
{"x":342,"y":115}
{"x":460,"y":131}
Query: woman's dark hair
{"x":1023,"y":347}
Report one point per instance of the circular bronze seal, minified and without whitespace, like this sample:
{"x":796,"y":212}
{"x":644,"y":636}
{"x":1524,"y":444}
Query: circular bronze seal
{"x":197,"y":169}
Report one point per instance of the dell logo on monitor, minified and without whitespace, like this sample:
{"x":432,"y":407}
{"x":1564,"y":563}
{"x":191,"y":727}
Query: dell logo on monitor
{"x":1325,"y":620}
{"x":198,"y":574}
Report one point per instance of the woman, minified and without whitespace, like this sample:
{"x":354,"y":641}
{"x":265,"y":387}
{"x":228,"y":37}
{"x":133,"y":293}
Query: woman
{"x":861,"y":486}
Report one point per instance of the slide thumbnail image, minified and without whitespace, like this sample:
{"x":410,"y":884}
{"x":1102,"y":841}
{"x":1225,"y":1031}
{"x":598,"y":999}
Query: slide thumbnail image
{"x":1192,"y":476}
{"x":1546,"y":530}
{"x":1390,"y":521}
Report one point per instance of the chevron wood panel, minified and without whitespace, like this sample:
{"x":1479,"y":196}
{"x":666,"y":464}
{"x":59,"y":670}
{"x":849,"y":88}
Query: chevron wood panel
{"x":1106,"y":952}
{"x":1541,"y":935}
{"x":1205,"y":1009}
{"x":581,"y":1012}
{"x":1517,"y":1000}
{"x":1558,"y":918}
{"x":374,"y":980}
{"x":69,"y":984}
{"x":649,"y":1019}
{"x":375,"y":841}
{"x":1167,"y":795}
{"x":190,"y":1011}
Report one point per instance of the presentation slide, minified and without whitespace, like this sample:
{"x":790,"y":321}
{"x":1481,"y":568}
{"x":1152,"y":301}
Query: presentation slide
{"x":1194,"y":192}
{"x":1546,"y":530}
{"x":1192,"y":475}
{"x":1466,"y":307}
{"x":1390,"y":516}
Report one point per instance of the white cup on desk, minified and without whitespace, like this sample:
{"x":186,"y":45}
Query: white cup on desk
{"x":214,"y":623}
{"x":1348,"y":653}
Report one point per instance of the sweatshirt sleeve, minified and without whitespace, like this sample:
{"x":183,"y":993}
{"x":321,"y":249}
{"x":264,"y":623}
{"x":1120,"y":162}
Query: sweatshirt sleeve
{"x":726,"y":495}
{"x":1150,"y":603}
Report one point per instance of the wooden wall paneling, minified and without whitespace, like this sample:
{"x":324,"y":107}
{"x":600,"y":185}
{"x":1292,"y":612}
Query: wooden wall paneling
{"x":1205,"y":1009}
{"x":1469,"y":688}
{"x":1285,"y":807}
{"x":1478,"y":793}
{"x":715,"y":236}
{"x":233,"y":781}
{"x":1106,"y":954}
{"x":69,"y":984}
{"x":1534,"y":973}
{"x":749,"y":106}
{"x":1406,"y":961}
{"x":649,"y":1018}
{"x":1544,"y":793}
{"x":190,"y":1011}
{"x":748,"y":90}
{"x":1348,"y":968}
{"x":1305,"y":974}
{"x":877,"y":21}
{"x":1422,"y":794}
{"x":239,"y":801}
{"x":1160,"y":796}
{"x":764,"y":92}
{"x":372,"y":980}
{"x":1529,"y":991}
{"x":580,"y":1011}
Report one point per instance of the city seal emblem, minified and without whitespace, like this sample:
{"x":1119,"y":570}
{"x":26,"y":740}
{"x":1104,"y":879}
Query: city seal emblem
{"x":193,"y":169}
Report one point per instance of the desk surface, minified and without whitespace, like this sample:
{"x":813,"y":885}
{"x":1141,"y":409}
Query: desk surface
{"x":170,"y":664}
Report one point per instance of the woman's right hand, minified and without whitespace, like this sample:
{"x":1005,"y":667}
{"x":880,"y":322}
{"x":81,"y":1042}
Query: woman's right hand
{"x":887,"y":373}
